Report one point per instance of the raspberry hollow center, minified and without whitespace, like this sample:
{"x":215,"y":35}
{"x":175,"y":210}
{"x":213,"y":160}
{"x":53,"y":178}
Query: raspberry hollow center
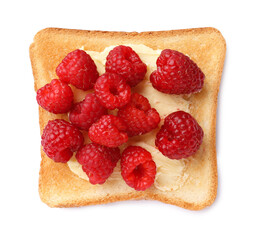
{"x":114,"y":91}
{"x":139,"y":171}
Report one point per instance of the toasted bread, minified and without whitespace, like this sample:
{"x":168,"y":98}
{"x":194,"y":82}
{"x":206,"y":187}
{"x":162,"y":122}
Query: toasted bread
{"x":60,"y":187}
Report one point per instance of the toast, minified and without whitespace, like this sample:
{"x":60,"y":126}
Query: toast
{"x":60,"y":187}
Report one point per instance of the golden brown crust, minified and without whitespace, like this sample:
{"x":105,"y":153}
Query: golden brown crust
{"x":59,"y":187}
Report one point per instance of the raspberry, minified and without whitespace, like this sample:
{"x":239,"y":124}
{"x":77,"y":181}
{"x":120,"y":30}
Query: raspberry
{"x":139,"y":116}
{"x":87,"y":112}
{"x":55,"y":97}
{"x":176,"y":74}
{"x":138,"y":168}
{"x":112,"y":91}
{"x":60,"y":139}
{"x":180,"y":136}
{"x":98,"y":161}
{"x":109,"y":131}
{"x":78,"y":69}
{"x":126,"y":62}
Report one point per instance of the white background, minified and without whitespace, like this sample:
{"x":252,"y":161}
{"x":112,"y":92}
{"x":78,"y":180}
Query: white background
{"x":234,"y":215}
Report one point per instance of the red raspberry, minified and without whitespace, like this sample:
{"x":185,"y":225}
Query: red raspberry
{"x":139,"y":116}
{"x":87,"y":112}
{"x":138,"y":168}
{"x":126,"y":62}
{"x":176,"y":74}
{"x":109,"y":131}
{"x":98,"y":161}
{"x":78,"y":69}
{"x":55,"y":97}
{"x":180,"y":136}
{"x":112,"y":91}
{"x":60,"y":139}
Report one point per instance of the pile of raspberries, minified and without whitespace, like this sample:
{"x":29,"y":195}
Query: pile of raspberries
{"x":179,"y":137}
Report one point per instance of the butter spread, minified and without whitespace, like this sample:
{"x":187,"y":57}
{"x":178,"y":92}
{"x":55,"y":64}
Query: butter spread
{"x":171,"y":174}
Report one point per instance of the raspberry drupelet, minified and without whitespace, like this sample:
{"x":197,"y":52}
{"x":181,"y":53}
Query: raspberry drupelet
{"x":109,"y":131}
{"x":112,"y":91}
{"x":180,"y":136}
{"x":139,"y":116}
{"x":87,"y":112}
{"x":78,"y":69}
{"x":98,"y":161}
{"x":123,"y":60}
{"x":60,"y":139}
{"x":138,"y":168}
{"x":55,"y":97}
{"x":176,"y":74}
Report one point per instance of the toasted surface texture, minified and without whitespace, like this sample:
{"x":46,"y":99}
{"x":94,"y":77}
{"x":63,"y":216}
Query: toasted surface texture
{"x":59,"y":187}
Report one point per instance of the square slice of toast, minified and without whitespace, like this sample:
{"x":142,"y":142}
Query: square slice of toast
{"x":60,"y":187}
